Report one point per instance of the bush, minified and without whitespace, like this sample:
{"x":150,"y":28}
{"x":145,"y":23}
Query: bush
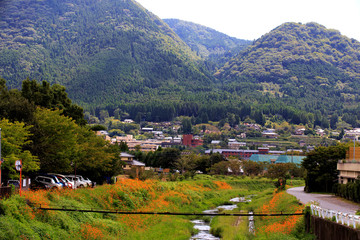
{"x":350,"y":191}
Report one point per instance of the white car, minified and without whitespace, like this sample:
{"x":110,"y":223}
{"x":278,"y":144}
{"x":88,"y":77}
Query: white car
{"x":89,"y":182}
{"x":78,"y":182}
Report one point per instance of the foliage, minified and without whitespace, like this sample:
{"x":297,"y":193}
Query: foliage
{"x":350,"y":190}
{"x":217,"y":48}
{"x":14,"y":106}
{"x":321,"y":167}
{"x":97,"y":127}
{"x":14,"y":136}
{"x":77,"y":44}
{"x":51,"y":97}
{"x":252,"y":168}
{"x":61,"y":145}
{"x":19,"y":220}
{"x":280,"y":202}
{"x":148,"y":73}
{"x":283,"y":170}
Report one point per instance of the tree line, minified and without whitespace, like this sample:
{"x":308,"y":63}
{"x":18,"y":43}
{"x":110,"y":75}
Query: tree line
{"x":42,"y":127}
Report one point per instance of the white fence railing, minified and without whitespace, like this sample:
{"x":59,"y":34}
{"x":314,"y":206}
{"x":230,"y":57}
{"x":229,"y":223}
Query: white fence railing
{"x":340,"y":217}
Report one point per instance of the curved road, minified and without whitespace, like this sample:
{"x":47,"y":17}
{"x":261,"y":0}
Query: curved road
{"x":325,"y":200}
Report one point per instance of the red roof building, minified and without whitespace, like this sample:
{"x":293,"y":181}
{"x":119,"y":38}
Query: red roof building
{"x":190,"y":141}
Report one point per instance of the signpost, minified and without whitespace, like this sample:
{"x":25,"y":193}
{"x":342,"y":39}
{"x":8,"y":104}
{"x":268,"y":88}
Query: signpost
{"x":18,"y":166}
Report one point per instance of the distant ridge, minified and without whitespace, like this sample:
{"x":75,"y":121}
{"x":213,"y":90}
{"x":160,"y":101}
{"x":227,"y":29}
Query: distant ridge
{"x":208,"y":43}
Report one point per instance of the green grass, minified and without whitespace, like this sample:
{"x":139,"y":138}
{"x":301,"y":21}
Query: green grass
{"x":20,"y":221}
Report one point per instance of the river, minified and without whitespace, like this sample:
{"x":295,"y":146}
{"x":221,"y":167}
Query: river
{"x":204,"y":227}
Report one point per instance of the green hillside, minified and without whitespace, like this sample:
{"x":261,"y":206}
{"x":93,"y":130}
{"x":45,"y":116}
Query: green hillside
{"x":217,"y":48}
{"x":104,"y":52}
{"x":305,"y":65}
{"x":116,"y":55}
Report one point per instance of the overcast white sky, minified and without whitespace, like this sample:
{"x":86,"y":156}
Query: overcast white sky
{"x":250,"y":19}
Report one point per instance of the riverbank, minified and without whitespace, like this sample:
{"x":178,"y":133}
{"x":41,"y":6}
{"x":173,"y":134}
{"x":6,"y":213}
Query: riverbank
{"x":21,"y":221}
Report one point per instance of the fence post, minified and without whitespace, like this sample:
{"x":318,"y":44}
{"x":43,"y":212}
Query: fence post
{"x":307,"y":218}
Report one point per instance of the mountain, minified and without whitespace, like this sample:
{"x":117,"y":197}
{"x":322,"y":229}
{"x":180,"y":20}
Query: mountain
{"x":216,"y":47}
{"x":306,"y":65}
{"x":104,"y":52}
{"x":115,"y":56}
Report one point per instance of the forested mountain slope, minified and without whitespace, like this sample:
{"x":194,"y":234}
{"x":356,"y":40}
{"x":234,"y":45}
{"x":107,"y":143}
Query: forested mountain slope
{"x":104,"y":52}
{"x":307,"y":65}
{"x":116,"y":55}
{"x":217,"y":48}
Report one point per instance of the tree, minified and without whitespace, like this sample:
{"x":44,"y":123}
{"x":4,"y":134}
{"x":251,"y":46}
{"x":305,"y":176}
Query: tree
{"x":14,"y":136}
{"x":58,"y":141}
{"x":204,"y":163}
{"x":98,"y":127}
{"x":279,"y":170}
{"x":123,"y":146}
{"x":186,"y":126}
{"x":54,"y":140}
{"x":96,"y":157}
{"x":186,"y":163}
{"x":52,"y":97}
{"x":252,"y":167}
{"x":333,"y":121}
{"x":234,"y":166}
{"x":103,"y":115}
{"x":167,"y":157}
{"x":13,"y":106}
{"x":220,"y":168}
{"x":321,"y":167}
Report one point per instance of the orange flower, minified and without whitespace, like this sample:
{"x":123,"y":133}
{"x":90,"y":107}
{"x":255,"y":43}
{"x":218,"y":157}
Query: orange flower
{"x":222,"y":185}
{"x":90,"y":232}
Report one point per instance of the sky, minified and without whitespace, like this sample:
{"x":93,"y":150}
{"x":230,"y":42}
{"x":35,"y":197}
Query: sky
{"x":250,"y":19}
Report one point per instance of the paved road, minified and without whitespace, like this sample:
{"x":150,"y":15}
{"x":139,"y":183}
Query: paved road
{"x":326,"y":201}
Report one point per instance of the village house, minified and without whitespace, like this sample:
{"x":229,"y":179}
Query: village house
{"x":191,"y":141}
{"x":320,"y":132}
{"x":300,"y":131}
{"x":269,"y":133}
{"x":130,"y":162}
{"x":349,"y":168}
{"x":128,"y":121}
{"x":235,"y":144}
{"x":352,"y":134}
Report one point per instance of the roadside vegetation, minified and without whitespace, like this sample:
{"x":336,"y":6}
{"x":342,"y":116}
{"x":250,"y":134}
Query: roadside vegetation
{"x":21,"y":219}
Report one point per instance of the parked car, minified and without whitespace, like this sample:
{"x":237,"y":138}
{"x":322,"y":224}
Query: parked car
{"x":91,"y":183}
{"x":67,"y":182}
{"x":15,"y":183}
{"x":87,"y":180}
{"x":56,"y":179}
{"x":46,"y":182}
{"x":78,"y":182}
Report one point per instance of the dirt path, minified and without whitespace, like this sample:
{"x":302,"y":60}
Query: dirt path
{"x":325,"y":200}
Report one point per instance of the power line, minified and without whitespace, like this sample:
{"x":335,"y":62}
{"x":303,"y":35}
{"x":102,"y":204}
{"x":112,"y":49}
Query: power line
{"x":169,"y":213}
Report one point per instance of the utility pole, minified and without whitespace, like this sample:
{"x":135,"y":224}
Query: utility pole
{"x":354,"y":146}
{"x":0,"y":160}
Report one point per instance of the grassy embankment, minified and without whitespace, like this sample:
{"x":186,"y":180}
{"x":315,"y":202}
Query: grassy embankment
{"x":20,"y":221}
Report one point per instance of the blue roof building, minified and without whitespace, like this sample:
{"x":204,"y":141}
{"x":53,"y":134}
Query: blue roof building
{"x":276,"y":158}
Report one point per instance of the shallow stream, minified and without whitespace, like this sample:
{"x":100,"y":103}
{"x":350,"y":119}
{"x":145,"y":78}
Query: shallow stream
{"x":204,"y":227}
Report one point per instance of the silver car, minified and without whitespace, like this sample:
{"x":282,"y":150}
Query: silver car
{"x":48,"y":182}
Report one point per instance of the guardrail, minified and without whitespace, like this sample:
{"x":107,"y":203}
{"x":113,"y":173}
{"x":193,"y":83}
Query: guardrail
{"x":340,"y":217}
